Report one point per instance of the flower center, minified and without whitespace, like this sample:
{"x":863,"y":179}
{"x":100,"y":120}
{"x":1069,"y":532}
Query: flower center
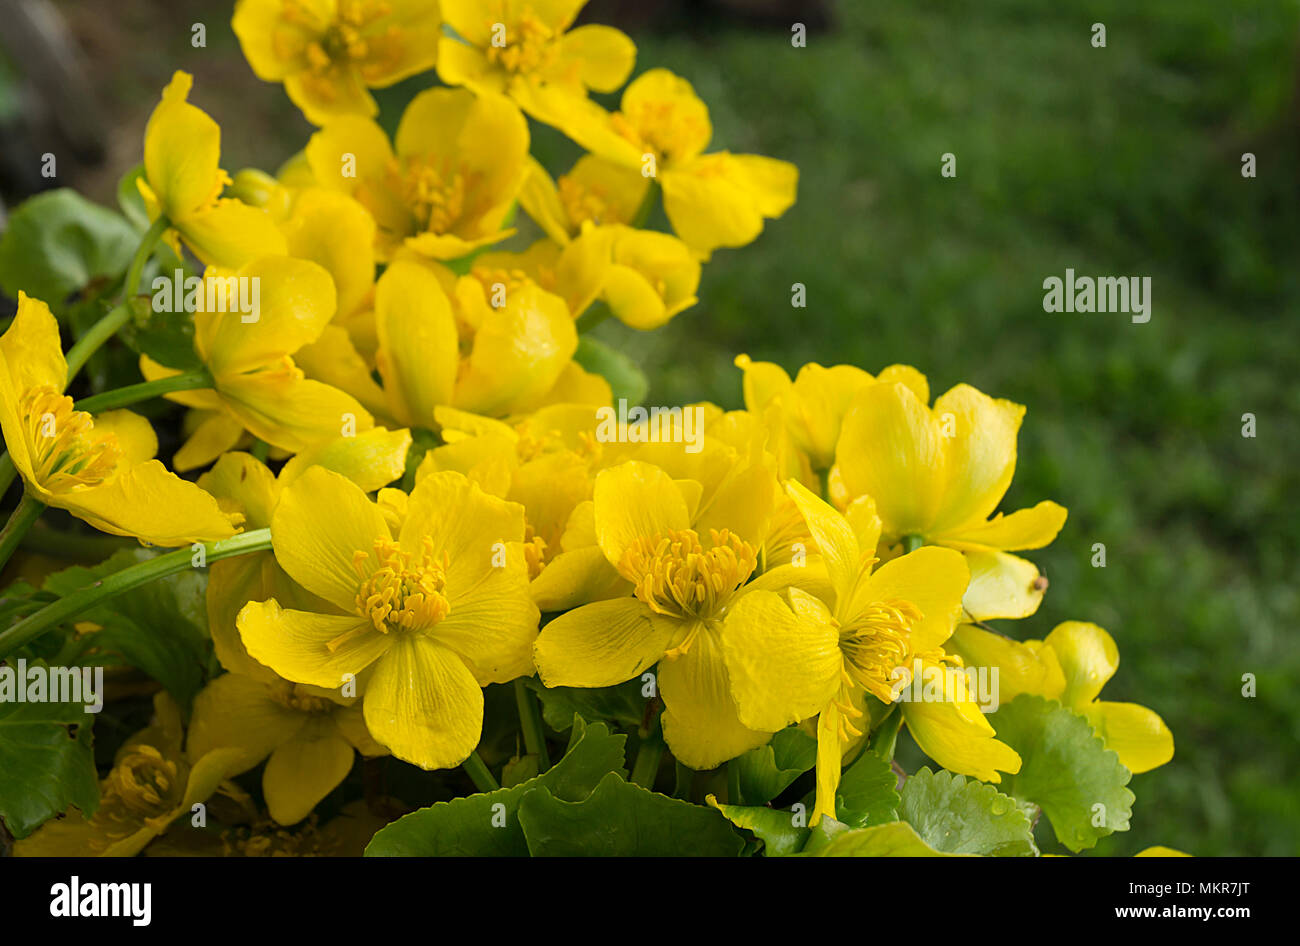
{"x":583,"y":203}
{"x":534,"y":551}
{"x":344,"y":41}
{"x":877,"y":643}
{"x":143,"y":786}
{"x":403,"y":590}
{"x":433,"y":191}
{"x":66,"y":451}
{"x":675,"y":575}
{"x":659,"y":128}
{"x":530,"y":45}
{"x":295,"y":697}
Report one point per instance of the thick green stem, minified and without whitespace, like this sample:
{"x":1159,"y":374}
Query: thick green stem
{"x":142,"y":254}
{"x":885,"y":738}
{"x":134,"y":393}
{"x":28,"y":511}
{"x":646,"y":766}
{"x":683,"y":781}
{"x":133,"y":576}
{"x":647,"y":204}
{"x":912,"y":542}
{"x":479,"y":773}
{"x":530,"y":718}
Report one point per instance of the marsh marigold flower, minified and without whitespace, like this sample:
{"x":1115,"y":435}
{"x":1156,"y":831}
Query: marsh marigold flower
{"x":795,"y":659}
{"x":100,"y":469}
{"x":432,"y":615}
{"x":329,"y":53}
{"x":183,"y":181}
{"x":938,"y":473}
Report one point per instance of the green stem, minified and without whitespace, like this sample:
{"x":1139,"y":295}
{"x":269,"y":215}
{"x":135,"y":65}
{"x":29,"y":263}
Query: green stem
{"x":647,"y":204}
{"x":261,"y":450}
{"x":885,"y":738}
{"x":133,"y":576}
{"x":530,"y":718}
{"x":912,"y":542}
{"x":134,"y":393}
{"x":7,"y":473}
{"x":646,"y":766}
{"x":479,"y":773}
{"x":142,"y":254}
{"x":596,"y":313}
{"x":682,"y":782}
{"x":28,"y":511}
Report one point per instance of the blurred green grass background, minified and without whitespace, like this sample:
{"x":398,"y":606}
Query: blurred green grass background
{"x":1118,"y":161}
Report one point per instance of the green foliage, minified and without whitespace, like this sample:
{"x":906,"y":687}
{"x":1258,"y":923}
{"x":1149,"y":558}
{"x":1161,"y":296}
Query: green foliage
{"x":620,"y":819}
{"x":58,"y":243}
{"x":46,"y":758}
{"x":866,"y":794}
{"x":625,"y":378}
{"x":960,"y":816}
{"x":896,"y":839}
{"x":1065,"y":770}
{"x":763,"y":773}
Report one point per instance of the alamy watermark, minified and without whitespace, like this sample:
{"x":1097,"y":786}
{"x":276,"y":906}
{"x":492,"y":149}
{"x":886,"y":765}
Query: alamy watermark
{"x":1129,"y":294}
{"x":179,"y":293}
{"x":683,"y":425}
{"x":41,"y":684}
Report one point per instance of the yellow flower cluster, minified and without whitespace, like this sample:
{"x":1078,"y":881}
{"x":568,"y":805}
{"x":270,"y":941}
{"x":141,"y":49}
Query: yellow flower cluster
{"x":798,"y":563}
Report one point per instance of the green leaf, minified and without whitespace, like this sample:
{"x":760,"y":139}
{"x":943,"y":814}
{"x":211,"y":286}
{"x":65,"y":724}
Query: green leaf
{"x":1065,"y":770}
{"x":58,"y":242}
{"x":160,"y":628}
{"x":775,"y":827}
{"x":763,"y":773}
{"x":896,"y":839}
{"x":958,"y":816}
{"x":474,"y":825}
{"x":622,"y":706}
{"x":621,"y":819}
{"x":45,"y":758}
{"x":867,"y":794}
{"x":166,"y":337}
{"x":625,"y":379}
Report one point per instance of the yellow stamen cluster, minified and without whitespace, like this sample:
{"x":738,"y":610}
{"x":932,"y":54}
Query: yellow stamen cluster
{"x":401,"y":590}
{"x":295,"y":697}
{"x":658,"y":128}
{"x":534,"y":552}
{"x":675,"y":575}
{"x":491,"y":277}
{"x":433,"y":192}
{"x":877,"y":643}
{"x":144,"y":786}
{"x":344,"y":41}
{"x":530,"y":45}
{"x":66,"y":451}
{"x":582,"y":203}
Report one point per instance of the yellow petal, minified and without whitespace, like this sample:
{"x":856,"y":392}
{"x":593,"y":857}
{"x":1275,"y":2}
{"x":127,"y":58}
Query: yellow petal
{"x":336,"y":232}
{"x":182,"y":150}
{"x":371,"y":459}
{"x":292,"y":412}
{"x":325,"y":650}
{"x":1021,"y":668}
{"x":931,"y":578}
{"x":231,"y":234}
{"x":30,"y":348}
{"x":892,"y":450}
{"x":578,"y":577}
{"x":634,"y":501}
{"x":244,"y":483}
{"x":305,"y":769}
{"x":150,"y":503}
{"x":979,"y":454}
{"x":784,"y":667}
{"x":1022,"y":529}
{"x":322,"y":521}
{"x":336,"y":93}
{"x":235,"y":711}
{"x":700,"y":722}
{"x":347,"y":152}
{"x":1136,"y":734}
{"x":1088,"y":658}
{"x":424,"y":704}
{"x":954,"y":733}
{"x":1002,"y":586}
{"x":134,"y":434}
{"x":603,"y":56}
{"x":217,"y":433}
{"x":601,"y":644}
{"x":418,"y":344}
{"x":839,"y":547}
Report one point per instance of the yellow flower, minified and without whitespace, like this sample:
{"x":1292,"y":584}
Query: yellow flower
{"x":432,"y":616}
{"x":327,"y":52}
{"x":712,"y":200}
{"x":100,"y":469}
{"x":151,"y":784}
{"x":525,"y":49}
{"x":813,"y":405}
{"x":937,"y":473}
{"x":594,"y":191}
{"x":256,"y":385}
{"x":183,"y":180}
{"x":688,"y":563}
{"x":444,"y":186}
{"x":1072,"y":664}
{"x":443,"y":341}
{"x":307,"y":735}
{"x":243,"y":485}
{"x":793,"y":658}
